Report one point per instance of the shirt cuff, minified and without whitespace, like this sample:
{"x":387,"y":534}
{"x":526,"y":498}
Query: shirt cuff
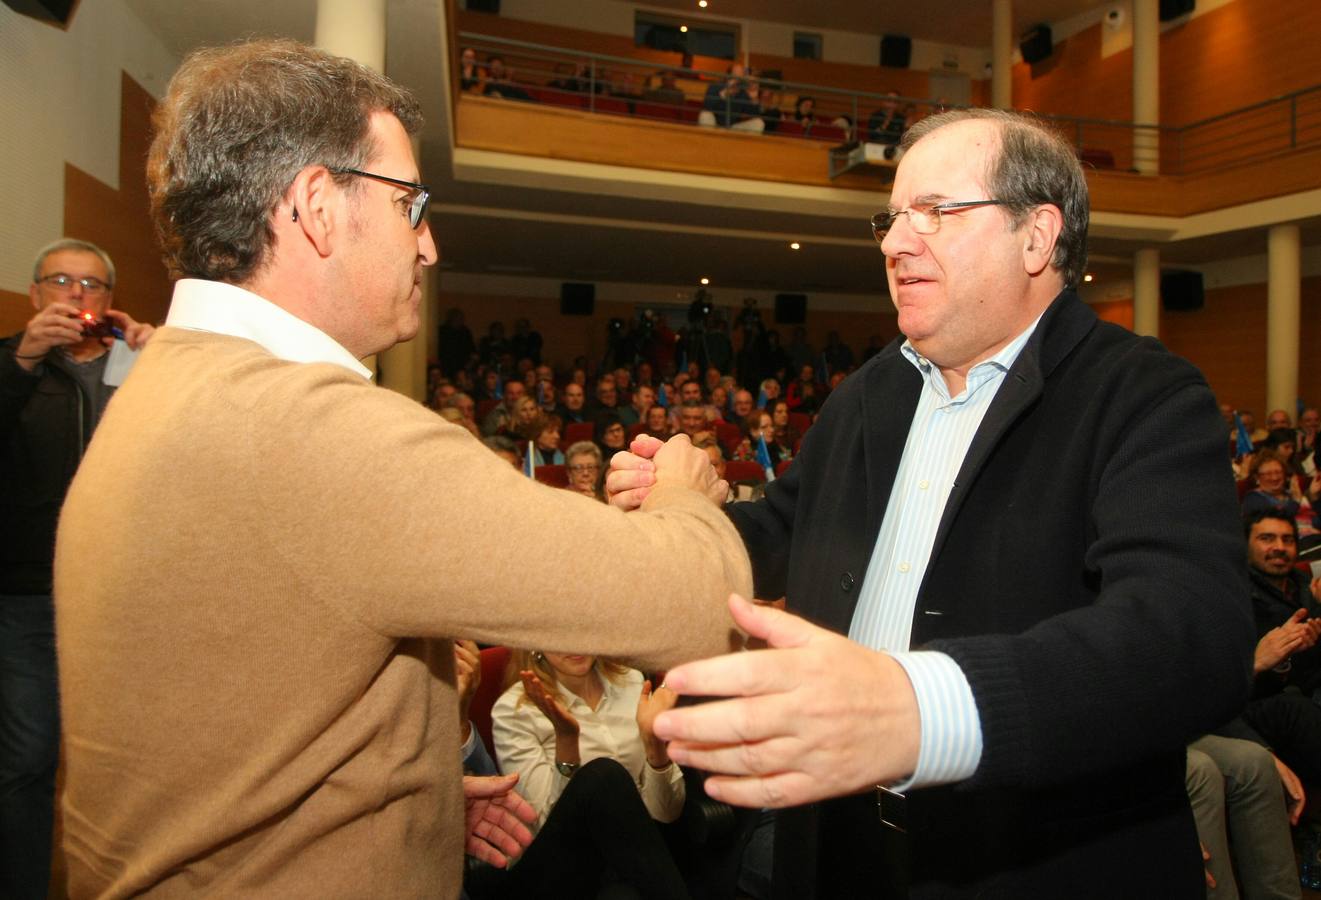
{"x":470,"y":744}
{"x":951,"y":726}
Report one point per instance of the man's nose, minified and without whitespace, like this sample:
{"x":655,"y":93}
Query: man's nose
{"x":426,"y":245}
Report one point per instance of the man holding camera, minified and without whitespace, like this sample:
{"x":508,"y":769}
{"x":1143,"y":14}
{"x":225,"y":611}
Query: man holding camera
{"x":52,"y":394}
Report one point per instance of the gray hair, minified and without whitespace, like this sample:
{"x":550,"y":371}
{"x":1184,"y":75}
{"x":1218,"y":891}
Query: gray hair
{"x":73,"y":244}
{"x":1034,"y":166}
{"x":584,"y":448}
{"x":237,"y":125}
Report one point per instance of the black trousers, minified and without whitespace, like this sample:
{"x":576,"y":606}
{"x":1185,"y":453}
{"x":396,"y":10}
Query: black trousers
{"x":599,"y":840}
{"x":1290,"y":723}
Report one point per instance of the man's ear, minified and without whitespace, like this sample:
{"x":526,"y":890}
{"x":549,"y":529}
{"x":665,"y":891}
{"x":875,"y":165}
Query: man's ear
{"x":1041,"y":231}
{"x":314,"y":205}
{"x":34,"y":294}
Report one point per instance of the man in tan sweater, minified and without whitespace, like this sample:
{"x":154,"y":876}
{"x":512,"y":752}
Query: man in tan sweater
{"x":263,"y":556}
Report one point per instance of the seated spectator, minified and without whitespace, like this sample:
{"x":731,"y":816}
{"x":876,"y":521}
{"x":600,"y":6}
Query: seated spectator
{"x":644,"y":398}
{"x":609,"y":435}
{"x":573,"y":406}
{"x":500,"y":419}
{"x":666,"y":91}
{"x":490,"y":386}
{"x":525,"y":411}
{"x":1283,"y":443}
{"x":887,"y":124}
{"x":720,"y":402}
{"x":658,"y":423}
{"x":450,"y":414}
{"x":543,"y":433}
{"x":804,"y":394}
{"x":623,"y":382}
{"x":770,"y":391}
{"x":707,"y":441}
{"x":753,"y":426}
{"x":1277,"y":491}
{"x":471,"y":77}
{"x":586,"y":469}
{"x":1277,"y":418}
{"x":500,"y":81}
{"x":1235,"y":790}
{"x":692,"y":418}
{"x":783,"y":435}
{"x":504,"y":448}
{"x":607,"y":396}
{"x":578,"y":731}
{"x":547,"y":397}
{"x":768,"y":107}
{"x":805,"y":110}
{"x":465,"y":405}
{"x":728,"y":104}
{"x":742,"y":405}
{"x":1308,"y":423}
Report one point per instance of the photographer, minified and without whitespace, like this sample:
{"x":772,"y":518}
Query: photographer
{"x":52,"y":393}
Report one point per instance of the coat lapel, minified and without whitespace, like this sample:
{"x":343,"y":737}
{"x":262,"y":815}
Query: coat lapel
{"x":889,"y":402}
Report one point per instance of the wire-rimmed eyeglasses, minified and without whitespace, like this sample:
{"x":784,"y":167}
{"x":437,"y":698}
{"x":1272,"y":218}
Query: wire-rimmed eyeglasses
{"x":64,"y":283}
{"x":923,"y":218}
{"x":417,"y":201}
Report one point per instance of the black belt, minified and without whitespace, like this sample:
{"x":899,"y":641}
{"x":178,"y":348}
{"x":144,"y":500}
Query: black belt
{"x":892,"y":809}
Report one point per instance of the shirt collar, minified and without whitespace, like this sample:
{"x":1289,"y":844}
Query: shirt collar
{"x":978,"y":374}
{"x":220,"y":308}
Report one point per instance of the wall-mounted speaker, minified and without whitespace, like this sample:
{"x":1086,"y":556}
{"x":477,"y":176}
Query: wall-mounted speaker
{"x":1172,"y":9}
{"x":46,"y":10}
{"x":577,"y":298}
{"x":1036,"y":44}
{"x":896,"y":51}
{"x":1181,"y":290}
{"x":486,"y":6}
{"x":790,"y":309}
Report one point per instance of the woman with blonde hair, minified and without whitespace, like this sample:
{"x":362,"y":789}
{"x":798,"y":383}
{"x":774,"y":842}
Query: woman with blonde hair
{"x":578,"y":731}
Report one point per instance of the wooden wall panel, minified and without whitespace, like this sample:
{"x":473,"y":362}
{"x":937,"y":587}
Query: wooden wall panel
{"x":118,"y":220}
{"x":1226,"y":339}
{"x":15,"y":310}
{"x":1075,"y":81}
{"x":1239,"y":54}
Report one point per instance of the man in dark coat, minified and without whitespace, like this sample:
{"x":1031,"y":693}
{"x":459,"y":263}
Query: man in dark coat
{"x":1022,"y":519}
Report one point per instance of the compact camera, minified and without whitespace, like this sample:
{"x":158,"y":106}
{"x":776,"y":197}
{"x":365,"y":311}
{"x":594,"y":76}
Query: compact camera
{"x":97,"y":328}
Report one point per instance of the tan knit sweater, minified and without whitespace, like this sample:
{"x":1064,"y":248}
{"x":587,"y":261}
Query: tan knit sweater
{"x":258,"y":569}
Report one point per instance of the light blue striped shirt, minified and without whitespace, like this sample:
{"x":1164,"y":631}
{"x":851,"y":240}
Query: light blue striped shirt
{"x":938,"y":440}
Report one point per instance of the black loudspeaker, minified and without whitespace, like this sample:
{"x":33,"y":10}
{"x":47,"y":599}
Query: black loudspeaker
{"x":790,"y":309}
{"x":1172,"y":9}
{"x":1036,"y":44}
{"x":486,"y":6}
{"x":1181,"y":290}
{"x":896,"y":51}
{"x":46,"y":10}
{"x":577,"y":298}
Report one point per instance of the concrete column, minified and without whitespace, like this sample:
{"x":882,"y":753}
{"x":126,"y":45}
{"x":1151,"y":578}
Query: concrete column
{"x":356,"y":29}
{"x":1283,"y":295}
{"x":1146,"y":292}
{"x":353,"y":28}
{"x":1146,"y":86}
{"x":1002,"y":54}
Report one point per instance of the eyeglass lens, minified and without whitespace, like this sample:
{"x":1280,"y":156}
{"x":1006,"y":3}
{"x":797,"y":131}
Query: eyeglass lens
{"x":66,"y":283}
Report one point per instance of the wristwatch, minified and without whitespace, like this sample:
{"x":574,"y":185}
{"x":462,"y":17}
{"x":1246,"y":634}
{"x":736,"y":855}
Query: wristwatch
{"x":566,"y":769}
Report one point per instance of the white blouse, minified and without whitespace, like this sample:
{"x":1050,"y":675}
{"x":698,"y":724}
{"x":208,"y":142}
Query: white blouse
{"x":525,"y":743}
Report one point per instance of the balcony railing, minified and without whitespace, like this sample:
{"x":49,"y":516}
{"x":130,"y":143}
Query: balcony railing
{"x":623,"y":86}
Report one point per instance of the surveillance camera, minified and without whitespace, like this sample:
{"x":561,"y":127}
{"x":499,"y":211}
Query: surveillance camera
{"x":1114,"y":16}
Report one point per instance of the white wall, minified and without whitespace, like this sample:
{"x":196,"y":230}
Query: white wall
{"x":59,"y":101}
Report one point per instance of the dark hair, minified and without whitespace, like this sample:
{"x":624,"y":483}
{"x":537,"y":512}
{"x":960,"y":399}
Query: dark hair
{"x":1034,"y":166}
{"x":1278,"y":437}
{"x":236,"y":126}
{"x":1259,"y":515}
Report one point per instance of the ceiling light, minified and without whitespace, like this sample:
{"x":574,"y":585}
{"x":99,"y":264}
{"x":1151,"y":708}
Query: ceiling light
{"x":701,"y":3}
{"x":795,"y":246}
{"x":706,"y":281}
{"x":683,"y":28}
{"x":1087,"y":277}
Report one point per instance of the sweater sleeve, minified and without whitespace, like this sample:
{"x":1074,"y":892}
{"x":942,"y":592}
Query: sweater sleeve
{"x":419,"y":530}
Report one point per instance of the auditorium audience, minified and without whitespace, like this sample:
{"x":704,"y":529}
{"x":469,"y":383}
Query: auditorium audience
{"x":543,"y":432}
{"x":609,"y":434}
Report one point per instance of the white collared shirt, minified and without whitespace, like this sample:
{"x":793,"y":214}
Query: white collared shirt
{"x":939,"y":436}
{"x":219,"y":308}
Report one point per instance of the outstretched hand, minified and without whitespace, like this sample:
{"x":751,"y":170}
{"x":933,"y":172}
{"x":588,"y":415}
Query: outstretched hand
{"x":495,"y":819}
{"x":814,"y":716}
{"x":550,"y":704}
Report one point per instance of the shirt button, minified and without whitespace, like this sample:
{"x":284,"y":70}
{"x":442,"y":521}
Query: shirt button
{"x":923,"y":484}
{"x":903,"y":567}
{"x":846,"y":582}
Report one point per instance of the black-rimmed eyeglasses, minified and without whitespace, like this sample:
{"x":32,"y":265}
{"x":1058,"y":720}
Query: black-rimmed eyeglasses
{"x":417,"y":201}
{"x":923,"y":218}
{"x":64,"y":283}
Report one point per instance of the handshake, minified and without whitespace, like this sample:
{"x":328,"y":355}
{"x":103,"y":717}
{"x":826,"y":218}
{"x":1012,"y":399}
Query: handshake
{"x":649,"y":462}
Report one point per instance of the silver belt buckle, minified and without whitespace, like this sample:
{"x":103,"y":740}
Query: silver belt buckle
{"x":892,"y":809}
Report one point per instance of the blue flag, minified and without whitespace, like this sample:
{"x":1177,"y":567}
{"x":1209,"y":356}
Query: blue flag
{"x":530,"y":461}
{"x":662,"y":398}
{"x":1244,"y":443}
{"x":762,"y":399}
{"x":764,"y":458}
